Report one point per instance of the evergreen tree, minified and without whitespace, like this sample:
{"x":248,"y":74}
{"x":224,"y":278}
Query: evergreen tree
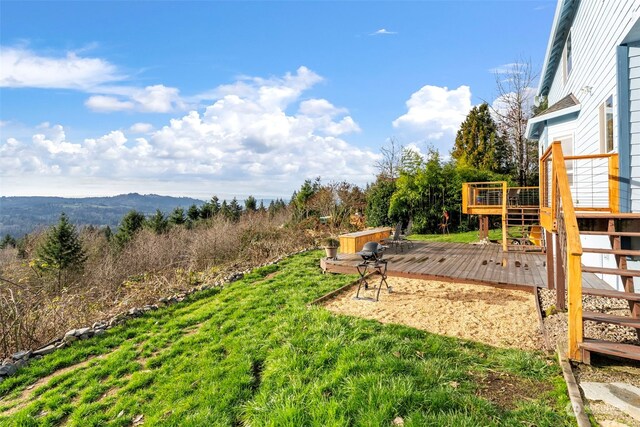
{"x":378,"y":201}
{"x":193,"y":213}
{"x":479,"y":144}
{"x":300,"y":199}
{"x":235,"y":209}
{"x":250,"y":204}
{"x":62,"y":251}
{"x":210,"y":209}
{"x":215,"y":205}
{"x":7,"y":241}
{"x":158,"y":222}
{"x":131,"y":222}
{"x":206,"y":210}
{"x":261,"y":208}
{"x":177,"y":216}
{"x":108,"y":234}
{"x":225,"y":211}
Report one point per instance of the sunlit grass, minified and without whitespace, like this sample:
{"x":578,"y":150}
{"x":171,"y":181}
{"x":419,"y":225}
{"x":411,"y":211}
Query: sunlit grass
{"x":465,"y":237}
{"x":255,"y":354}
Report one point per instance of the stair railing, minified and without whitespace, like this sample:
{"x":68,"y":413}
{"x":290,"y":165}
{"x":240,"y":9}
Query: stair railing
{"x":558,"y":214}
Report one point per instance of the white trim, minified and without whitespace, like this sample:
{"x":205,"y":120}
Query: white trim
{"x":559,"y":113}
{"x":554,"y":114}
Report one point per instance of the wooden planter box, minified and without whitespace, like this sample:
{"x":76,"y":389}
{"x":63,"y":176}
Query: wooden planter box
{"x":353,"y":242}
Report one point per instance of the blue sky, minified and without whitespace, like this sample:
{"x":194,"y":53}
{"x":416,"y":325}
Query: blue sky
{"x":237,"y":98}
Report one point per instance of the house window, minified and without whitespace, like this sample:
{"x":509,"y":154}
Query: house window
{"x":567,"y":58}
{"x":606,"y":125}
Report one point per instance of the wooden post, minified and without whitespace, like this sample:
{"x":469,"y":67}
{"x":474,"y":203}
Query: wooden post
{"x":574,"y":332}
{"x":614,"y":184}
{"x":560,"y":278}
{"x":484,"y":226}
{"x":465,"y":197}
{"x":550,"y":277}
{"x":504,"y":217}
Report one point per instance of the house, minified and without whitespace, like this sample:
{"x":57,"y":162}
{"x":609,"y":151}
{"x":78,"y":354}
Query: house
{"x":590,"y":81}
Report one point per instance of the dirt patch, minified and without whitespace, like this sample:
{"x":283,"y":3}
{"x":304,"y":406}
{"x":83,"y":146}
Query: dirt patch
{"x":499,"y":317}
{"x":271,"y":275}
{"x":506,"y":390}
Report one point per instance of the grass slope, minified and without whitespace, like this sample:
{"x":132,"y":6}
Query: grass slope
{"x":253,"y":354}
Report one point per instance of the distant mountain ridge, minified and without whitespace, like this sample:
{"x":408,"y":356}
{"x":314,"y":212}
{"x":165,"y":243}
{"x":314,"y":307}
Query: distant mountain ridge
{"x":22,"y":215}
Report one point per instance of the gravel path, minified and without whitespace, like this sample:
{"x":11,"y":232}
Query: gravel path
{"x":556,"y":324}
{"x":499,"y":317}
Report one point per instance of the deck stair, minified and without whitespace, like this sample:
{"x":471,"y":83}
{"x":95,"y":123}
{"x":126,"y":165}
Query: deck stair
{"x":524,"y":231}
{"x":619,"y":228}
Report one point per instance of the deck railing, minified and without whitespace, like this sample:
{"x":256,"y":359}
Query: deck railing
{"x":483,"y":196}
{"x":558,"y":215}
{"x":593,"y":183}
{"x":494,"y":198}
{"x":486,"y":198}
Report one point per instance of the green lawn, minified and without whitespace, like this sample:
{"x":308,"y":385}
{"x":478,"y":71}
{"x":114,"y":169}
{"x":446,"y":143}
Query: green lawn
{"x":253,"y":354}
{"x":466,"y":237}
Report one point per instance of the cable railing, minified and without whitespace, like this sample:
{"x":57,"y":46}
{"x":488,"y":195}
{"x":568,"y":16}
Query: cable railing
{"x":569,"y":184}
{"x":483,"y":195}
{"x":592,"y":179}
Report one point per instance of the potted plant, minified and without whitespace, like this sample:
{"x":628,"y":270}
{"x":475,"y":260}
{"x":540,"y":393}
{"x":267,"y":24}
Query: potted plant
{"x":331,"y":245}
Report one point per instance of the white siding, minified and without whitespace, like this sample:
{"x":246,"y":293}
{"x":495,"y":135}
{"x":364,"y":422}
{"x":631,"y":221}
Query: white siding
{"x":598,"y":28}
{"x":634,"y":90}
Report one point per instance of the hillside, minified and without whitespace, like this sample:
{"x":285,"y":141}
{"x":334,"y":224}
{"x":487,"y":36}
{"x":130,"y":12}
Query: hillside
{"x":254,"y":354}
{"x":21,"y":215}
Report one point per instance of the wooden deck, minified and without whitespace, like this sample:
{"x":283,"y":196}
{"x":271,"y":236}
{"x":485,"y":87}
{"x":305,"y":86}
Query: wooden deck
{"x":461,"y":262}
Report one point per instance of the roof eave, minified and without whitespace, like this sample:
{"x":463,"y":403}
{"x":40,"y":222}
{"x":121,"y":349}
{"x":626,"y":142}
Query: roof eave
{"x":536,"y":122}
{"x":557,"y":31}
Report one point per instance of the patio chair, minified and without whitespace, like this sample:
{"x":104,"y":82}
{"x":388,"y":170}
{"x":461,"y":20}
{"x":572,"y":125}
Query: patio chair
{"x":396,"y":240}
{"x":407,"y":232}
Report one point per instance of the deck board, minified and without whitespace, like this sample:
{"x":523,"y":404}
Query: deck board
{"x":460,"y":262}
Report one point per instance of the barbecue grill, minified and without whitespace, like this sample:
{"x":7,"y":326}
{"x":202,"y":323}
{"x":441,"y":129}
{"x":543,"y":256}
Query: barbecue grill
{"x":372,"y":262}
{"x":371,"y":252}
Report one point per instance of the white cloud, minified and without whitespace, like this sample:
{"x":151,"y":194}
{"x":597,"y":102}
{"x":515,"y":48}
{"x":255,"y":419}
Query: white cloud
{"x":434,"y":114}
{"x":319,"y":107}
{"x":383,"y":32}
{"x":243,"y":143}
{"x":151,"y":99}
{"x":108,"y":103}
{"x":21,"y":67}
{"x":141,"y":128}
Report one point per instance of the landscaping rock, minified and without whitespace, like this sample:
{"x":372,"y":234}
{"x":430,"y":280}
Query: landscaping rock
{"x":69,"y":338}
{"x":44,"y":350}
{"x":71,"y":333}
{"x":21,"y":355}
{"x":82,"y":331}
{"x":7,"y":370}
{"x":235,"y":277}
{"x":99,"y":332}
